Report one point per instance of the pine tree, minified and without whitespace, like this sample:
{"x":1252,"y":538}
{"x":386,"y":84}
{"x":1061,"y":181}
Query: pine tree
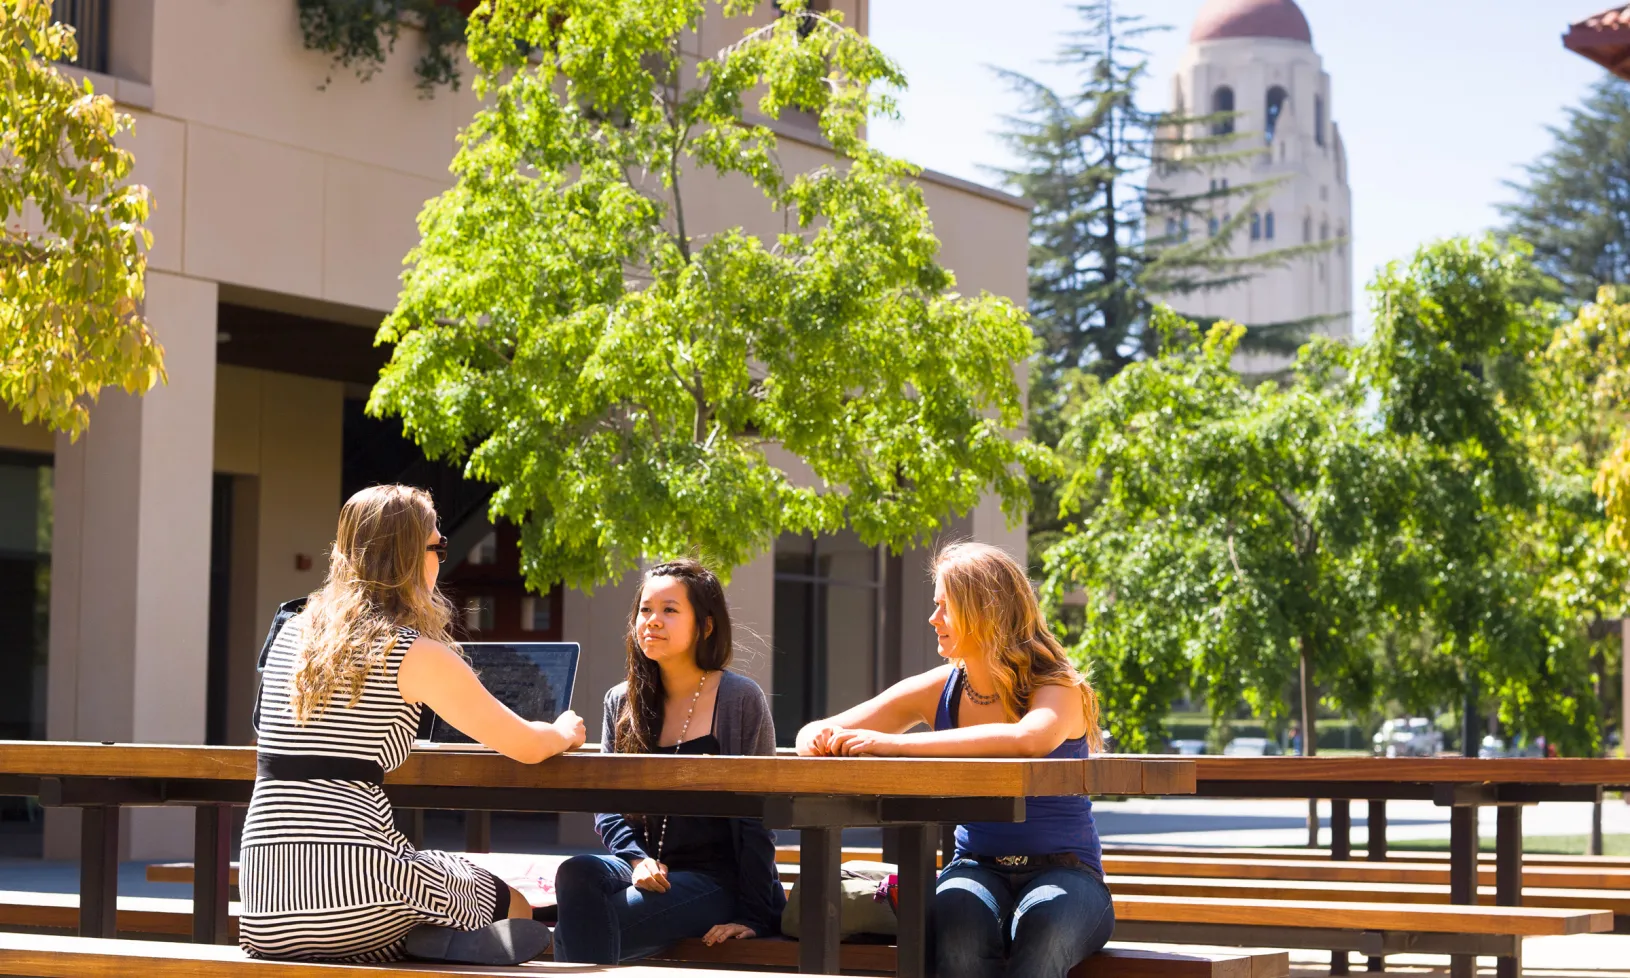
{"x":1574,"y":206}
{"x":1095,"y":268}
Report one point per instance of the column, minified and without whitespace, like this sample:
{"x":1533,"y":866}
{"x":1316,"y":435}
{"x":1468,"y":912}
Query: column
{"x":130,"y":560}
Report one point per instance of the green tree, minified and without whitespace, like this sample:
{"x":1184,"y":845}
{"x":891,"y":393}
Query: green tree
{"x":1493,"y":541}
{"x":634,"y":383}
{"x":73,"y":244}
{"x":1232,"y":535}
{"x":1574,"y":205}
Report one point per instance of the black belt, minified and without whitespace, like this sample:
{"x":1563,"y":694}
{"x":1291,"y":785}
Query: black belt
{"x":316,"y":767}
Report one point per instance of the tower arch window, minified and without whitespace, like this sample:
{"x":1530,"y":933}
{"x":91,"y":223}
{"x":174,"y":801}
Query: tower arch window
{"x":1171,"y":229}
{"x":1256,"y":225}
{"x":1272,"y":109}
{"x":1318,"y":119}
{"x":1222,"y":100}
{"x":1307,"y":229}
{"x":1212,"y":226}
{"x":1267,"y":225}
{"x":1324,"y":231}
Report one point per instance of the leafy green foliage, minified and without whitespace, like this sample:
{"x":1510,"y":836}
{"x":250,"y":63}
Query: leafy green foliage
{"x":360,"y":34}
{"x":1413,"y":517}
{"x":1592,"y":356}
{"x":1229,"y":529}
{"x":634,"y":384}
{"x":71,"y":289}
{"x":1571,"y":206}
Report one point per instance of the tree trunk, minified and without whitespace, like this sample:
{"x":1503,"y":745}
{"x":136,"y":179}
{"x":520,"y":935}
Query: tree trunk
{"x":1310,"y":737}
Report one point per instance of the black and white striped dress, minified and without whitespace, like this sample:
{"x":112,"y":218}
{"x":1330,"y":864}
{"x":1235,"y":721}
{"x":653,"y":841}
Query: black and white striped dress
{"x":324,"y":872}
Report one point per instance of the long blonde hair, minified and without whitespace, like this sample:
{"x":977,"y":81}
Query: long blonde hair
{"x":995,"y":609}
{"x":375,"y":585}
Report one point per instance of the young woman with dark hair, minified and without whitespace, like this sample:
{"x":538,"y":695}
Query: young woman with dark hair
{"x":1023,"y":899}
{"x":671,"y":877}
{"x":325,"y":874}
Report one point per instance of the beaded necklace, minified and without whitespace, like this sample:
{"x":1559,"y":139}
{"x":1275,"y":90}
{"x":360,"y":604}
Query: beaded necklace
{"x":662,"y":832}
{"x":978,"y":698}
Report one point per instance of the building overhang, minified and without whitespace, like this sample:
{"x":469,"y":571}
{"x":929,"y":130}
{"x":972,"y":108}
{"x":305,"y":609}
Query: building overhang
{"x":1604,"y":39}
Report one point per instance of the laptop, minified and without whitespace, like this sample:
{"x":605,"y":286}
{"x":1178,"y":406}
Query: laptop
{"x":534,"y":679}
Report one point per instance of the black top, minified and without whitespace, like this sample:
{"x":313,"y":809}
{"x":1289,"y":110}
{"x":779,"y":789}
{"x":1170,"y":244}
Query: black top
{"x":690,"y":842}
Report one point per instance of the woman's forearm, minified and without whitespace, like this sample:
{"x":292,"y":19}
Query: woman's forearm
{"x":980,"y":740}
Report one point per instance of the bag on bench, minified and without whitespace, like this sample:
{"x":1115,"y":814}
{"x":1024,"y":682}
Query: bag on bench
{"x":866,"y":904}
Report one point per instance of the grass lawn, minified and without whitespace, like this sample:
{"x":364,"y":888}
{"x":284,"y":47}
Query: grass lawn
{"x":1564,"y":845}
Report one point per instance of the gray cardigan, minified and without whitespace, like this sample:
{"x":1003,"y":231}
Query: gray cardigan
{"x":743,"y":725}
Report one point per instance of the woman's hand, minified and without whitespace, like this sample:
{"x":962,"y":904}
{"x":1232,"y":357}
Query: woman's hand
{"x":815,"y":739}
{"x":854,"y":743}
{"x":719,"y":933}
{"x":571,"y":727}
{"x":651,"y":876}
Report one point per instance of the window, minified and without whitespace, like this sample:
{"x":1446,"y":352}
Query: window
{"x":1222,"y":102}
{"x":812,"y":7}
{"x":1171,"y":228}
{"x":1324,"y":231}
{"x":1256,"y":226}
{"x":89,"y":19}
{"x":1307,"y":229}
{"x":828,"y":626}
{"x":478,"y":614}
{"x":485,"y":551}
{"x":1185,"y":230}
{"x":537,"y":614}
{"x":1272,"y":110}
{"x":1267,"y":226}
{"x":1223,"y":184}
{"x":1213,"y":184}
{"x":1318,"y":119}
{"x":1211,"y":227}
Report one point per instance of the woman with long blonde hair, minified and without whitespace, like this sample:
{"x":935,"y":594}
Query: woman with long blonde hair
{"x":325,"y":874}
{"x":1024,"y":899}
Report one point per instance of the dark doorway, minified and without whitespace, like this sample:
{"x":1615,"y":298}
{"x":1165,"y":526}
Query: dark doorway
{"x":220,"y":611}
{"x":25,"y":616}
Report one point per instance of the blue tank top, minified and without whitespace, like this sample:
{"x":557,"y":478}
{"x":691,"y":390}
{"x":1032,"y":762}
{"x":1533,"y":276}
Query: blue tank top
{"x":1052,"y":824}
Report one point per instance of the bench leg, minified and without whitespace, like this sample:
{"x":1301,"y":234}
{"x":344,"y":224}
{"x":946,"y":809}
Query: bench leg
{"x":478,"y":831}
{"x":820,"y":877}
{"x":99,"y":872}
{"x":917,"y":846}
{"x":1376,"y":851}
{"x":1463,"y":876}
{"x":211,"y":878}
{"x":1341,"y":850}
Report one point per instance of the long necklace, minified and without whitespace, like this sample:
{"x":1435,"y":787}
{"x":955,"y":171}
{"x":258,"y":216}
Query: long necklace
{"x":978,"y":698}
{"x":662,"y":833}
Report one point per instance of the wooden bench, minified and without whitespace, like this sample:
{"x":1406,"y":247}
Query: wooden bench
{"x":171,"y":917}
{"x":1112,"y":962}
{"x":1617,"y":903}
{"x":1570,"y":877}
{"x":44,"y":956}
{"x":1393,"y":855}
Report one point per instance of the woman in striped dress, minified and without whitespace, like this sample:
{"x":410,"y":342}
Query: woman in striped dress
{"x":325,"y":874}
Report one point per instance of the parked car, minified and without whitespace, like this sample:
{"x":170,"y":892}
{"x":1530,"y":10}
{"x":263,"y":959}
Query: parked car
{"x":1252,"y":747}
{"x":1188,"y":747}
{"x":1493,"y":746}
{"x":1408,"y":737}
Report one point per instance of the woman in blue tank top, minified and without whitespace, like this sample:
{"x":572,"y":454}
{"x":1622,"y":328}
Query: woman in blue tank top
{"x":1025,"y":899}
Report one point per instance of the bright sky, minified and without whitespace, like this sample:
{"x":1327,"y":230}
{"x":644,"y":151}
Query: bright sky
{"x":1439,"y":101}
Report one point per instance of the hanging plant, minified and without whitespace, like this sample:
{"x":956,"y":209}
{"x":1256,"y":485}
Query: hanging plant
{"x":360,"y":34}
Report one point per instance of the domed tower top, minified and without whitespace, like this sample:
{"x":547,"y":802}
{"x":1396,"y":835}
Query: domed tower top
{"x":1222,"y":19}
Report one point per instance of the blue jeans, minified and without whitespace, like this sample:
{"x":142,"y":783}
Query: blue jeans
{"x":1033,"y":924}
{"x":604,"y":919}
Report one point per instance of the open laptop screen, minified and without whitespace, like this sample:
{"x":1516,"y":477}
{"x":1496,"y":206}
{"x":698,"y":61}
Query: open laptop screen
{"x":534,"y":679}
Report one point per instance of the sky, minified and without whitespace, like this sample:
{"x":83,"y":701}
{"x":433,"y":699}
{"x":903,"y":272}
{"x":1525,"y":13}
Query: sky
{"x":1439,"y":101}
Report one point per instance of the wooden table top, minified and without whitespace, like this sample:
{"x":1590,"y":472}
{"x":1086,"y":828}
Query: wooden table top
{"x":1444,"y":770}
{"x":589,"y":770}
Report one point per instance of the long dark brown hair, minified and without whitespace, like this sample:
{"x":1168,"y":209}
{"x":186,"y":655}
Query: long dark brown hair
{"x":639,"y":725}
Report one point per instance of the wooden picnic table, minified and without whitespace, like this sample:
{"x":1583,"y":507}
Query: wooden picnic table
{"x":1461,"y":784}
{"x":818,"y":796}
